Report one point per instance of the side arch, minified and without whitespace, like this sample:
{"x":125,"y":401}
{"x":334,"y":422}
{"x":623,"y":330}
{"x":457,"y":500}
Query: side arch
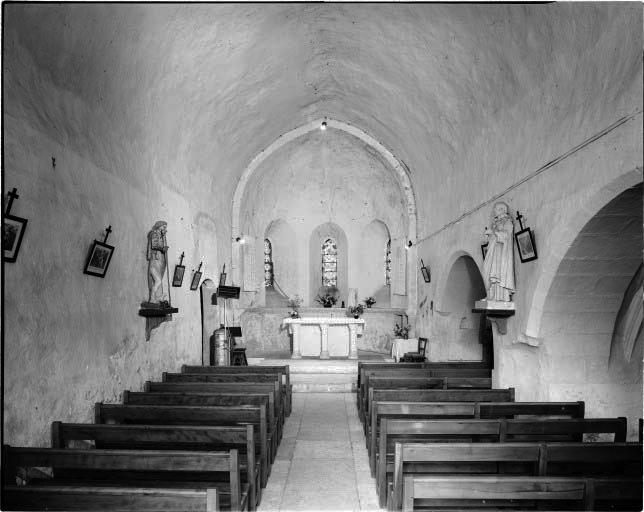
{"x":561,"y":239}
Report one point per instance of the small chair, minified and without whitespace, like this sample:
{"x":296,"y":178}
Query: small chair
{"x":416,"y":357}
{"x":238,"y":357}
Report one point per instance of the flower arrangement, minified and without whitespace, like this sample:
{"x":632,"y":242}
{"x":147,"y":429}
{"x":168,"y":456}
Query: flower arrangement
{"x":327,"y":296}
{"x":369,"y":301}
{"x":401,"y":331}
{"x":356,"y":311}
{"x":294,"y":303}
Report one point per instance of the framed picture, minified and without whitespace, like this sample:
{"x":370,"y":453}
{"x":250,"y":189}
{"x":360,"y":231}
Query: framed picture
{"x":99,"y":259}
{"x":177,"y":278}
{"x":13,"y":229}
{"x":426,"y":273}
{"x":525,"y":245}
{"x":196,"y":277}
{"x":484,"y":249}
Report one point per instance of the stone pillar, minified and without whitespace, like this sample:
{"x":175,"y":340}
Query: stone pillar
{"x":324,"y":349}
{"x":295,"y":330}
{"x":353,"y":339}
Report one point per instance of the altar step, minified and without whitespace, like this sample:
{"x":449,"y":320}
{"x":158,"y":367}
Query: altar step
{"x":316,"y":375}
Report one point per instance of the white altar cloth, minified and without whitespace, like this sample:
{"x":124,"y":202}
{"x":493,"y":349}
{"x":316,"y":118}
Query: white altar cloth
{"x":400,"y":346}
{"x":355,"y":327}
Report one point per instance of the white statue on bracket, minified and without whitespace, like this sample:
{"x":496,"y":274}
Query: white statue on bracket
{"x":498,"y":266}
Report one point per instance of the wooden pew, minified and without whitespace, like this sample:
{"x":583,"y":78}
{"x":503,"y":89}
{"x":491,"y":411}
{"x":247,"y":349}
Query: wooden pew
{"x":376,"y":382}
{"x":363,"y":367}
{"x":240,"y":378}
{"x":462,"y":410}
{"x":200,"y":399}
{"x":145,"y":469}
{"x":108,"y":499}
{"x":222,"y":387}
{"x":284,"y":370}
{"x":429,"y":373}
{"x":170,"y":437}
{"x":529,"y":459}
{"x":553,"y":493}
{"x":190,"y":415}
{"x":490,"y":430}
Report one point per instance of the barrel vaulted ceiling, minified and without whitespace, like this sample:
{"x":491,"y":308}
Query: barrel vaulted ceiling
{"x":193,"y":92}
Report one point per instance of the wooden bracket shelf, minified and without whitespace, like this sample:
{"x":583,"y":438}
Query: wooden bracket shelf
{"x":148,"y":312}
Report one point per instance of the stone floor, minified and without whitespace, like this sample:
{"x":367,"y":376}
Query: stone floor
{"x":322,"y":460}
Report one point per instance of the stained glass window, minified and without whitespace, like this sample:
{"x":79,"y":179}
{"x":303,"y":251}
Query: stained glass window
{"x":388,"y":263}
{"x":329,"y":263}
{"x":268,"y":263}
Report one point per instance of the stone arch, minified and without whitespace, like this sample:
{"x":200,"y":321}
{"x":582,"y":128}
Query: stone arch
{"x":398,"y":169}
{"x":581,"y":308}
{"x":371,"y":251}
{"x":285,"y":262}
{"x":457,"y":326}
{"x":562,"y":237}
{"x":318,"y":236}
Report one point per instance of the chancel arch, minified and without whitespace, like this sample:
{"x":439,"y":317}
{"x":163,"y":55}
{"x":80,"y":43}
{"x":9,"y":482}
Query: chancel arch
{"x":460,"y":331}
{"x":579,"y":353}
{"x":400,"y":201}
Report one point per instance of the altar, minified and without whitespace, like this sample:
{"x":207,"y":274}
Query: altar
{"x":311,"y":336}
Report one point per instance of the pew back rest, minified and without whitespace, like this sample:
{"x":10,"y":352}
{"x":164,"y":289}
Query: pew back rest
{"x":284,"y":370}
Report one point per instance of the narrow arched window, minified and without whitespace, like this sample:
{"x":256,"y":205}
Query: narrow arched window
{"x":268,"y":263}
{"x":329,"y":262}
{"x":388,"y":263}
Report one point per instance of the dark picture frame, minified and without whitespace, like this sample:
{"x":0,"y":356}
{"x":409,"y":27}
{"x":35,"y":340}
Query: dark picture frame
{"x":196,"y":277}
{"x":525,"y":245}
{"x":13,"y":229}
{"x":98,"y":259}
{"x":427,"y":276}
{"x":484,"y":249}
{"x":177,"y":277}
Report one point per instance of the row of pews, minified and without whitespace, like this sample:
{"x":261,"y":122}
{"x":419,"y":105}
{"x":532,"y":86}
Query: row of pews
{"x":202,"y":439}
{"x":439,"y":437}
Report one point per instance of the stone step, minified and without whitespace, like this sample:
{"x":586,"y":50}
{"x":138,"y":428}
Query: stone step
{"x":323,"y":378}
{"x":324,"y":388}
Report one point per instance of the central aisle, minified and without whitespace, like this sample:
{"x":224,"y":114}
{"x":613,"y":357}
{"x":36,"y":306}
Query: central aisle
{"x":322,"y":461}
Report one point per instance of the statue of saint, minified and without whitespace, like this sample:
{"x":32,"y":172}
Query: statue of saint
{"x":498,"y":267}
{"x":157,"y":261}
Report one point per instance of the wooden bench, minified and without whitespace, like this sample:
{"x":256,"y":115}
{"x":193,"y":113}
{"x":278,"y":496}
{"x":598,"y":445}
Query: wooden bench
{"x":366,"y":366}
{"x":376,"y":382}
{"x":146,"y":469}
{"x":462,"y":410}
{"x":519,"y":492}
{"x":438,"y":395}
{"x":490,"y":430}
{"x":190,"y":415}
{"x":200,"y":399}
{"x":429,"y":374}
{"x":284,"y":370}
{"x":108,"y":499}
{"x":170,"y":437}
{"x":222,"y":387}
{"x":529,"y":459}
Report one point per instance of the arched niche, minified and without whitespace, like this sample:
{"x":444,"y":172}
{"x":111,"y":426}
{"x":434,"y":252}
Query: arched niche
{"x":459,"y":331}
{"x":285,"y":252}
{"x":318,"y":237}
{"x":371,"y":272}
{"x":581,"y":309}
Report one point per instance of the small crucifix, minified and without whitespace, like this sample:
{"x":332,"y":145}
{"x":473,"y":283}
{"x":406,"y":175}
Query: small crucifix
{"x":12,"y":195}
{"x":107,"y":232}
{"x":519,"y":217}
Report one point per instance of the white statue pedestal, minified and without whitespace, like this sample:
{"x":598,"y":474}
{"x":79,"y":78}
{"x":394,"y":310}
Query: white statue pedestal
{"x":355,"y":327}
{"x":497,"y":311}
{"x":494,"y":305}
